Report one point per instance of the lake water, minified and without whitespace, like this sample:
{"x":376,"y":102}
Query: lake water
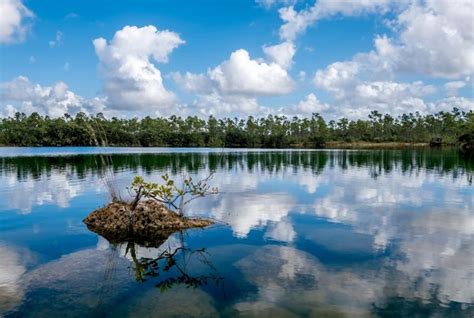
{"x":379,"y":233}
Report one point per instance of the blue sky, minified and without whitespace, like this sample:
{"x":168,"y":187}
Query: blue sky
{"x":338,"y":57}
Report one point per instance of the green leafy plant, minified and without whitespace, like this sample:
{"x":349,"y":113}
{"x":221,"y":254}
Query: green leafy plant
{"x":168,"y":193}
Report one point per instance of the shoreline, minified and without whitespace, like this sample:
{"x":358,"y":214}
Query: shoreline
{"x":328,"y":146}
{"x":378,"y":145}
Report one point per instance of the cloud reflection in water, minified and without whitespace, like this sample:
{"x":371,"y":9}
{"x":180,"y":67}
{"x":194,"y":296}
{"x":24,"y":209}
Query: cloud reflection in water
{"x":414,"y":220}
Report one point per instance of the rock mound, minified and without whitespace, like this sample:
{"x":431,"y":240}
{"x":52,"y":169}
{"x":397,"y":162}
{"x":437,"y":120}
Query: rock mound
{"x":150,"y":224}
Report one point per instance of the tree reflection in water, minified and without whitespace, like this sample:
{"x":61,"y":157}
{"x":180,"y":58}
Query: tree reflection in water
{"x":175,"y":265}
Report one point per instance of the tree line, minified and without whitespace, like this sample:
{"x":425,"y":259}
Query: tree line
{"x":272,"y":131}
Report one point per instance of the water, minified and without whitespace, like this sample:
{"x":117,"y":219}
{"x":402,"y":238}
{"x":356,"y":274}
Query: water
{"x":308,"y":233}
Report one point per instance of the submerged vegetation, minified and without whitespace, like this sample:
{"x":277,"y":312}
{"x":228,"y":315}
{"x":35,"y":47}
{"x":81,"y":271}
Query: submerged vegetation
{"x":268,"y":132}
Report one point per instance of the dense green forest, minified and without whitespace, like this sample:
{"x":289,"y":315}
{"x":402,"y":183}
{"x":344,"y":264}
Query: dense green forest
{"x":268,"y":132}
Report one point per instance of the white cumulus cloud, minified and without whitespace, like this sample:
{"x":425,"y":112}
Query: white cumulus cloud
{"x":296,"y":22}
{"x":355,"y":93}
{"x":337,"y":77}
{"x":234,"y":85}
{"x":435,"y":38}
{"x":432,"y":38}
{"x":132,"y":81}
{"x":14,"y":20}
{"x":282,"y":54}
{"x":242,"y":75}
{"x":453,"y":87}
{"x":54,"y":100}
{"x":311,"y":104}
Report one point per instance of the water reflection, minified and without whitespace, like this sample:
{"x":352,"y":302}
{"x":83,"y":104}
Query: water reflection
{"x":11,"y":270}
{"x":445,"y":162}
{"x":176,"y":260}
{"x":58,"y":189}
{"x":91,"y":282}
{"x":292,"y":282}
{"x":178,"y":302}
{"x":348,"y":233}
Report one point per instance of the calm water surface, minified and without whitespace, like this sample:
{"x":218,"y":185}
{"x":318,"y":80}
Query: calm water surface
{"x":303,"y":233}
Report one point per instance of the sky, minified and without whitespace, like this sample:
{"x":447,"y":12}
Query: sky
{"x":235,"y":58}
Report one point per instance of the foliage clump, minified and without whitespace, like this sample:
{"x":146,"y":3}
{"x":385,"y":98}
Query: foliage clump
{"x":173,"y":196}
{"x":467,"y":141}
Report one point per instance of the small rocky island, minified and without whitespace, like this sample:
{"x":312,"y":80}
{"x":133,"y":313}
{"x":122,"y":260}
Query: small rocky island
{"x":155,"y":213}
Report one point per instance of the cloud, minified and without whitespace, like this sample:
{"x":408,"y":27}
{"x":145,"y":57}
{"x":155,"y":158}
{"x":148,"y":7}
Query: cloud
{"x":14,"y":21}
{"x":58,"y":40}
{"x":8,"y":111}
{"x":267,"y":4}
{"x":382,"y":92}
{"x":71,"y":15}
{"x":296,"y":22}
{"x":397,"y":98}
{"x":302,"y":76}
{"x":432,"y":38}
{"x":234,"y":85}
{"x":210,"y":100}
{"x":193,"y":82}
{"x":435,"y":38}
{"x":356,"y":93}
{"x":311,"y":104}
{"x":215,"y":103}
{"x":327,"y":8}
{"x":360,"y":85}
{"x":132,"y":81}
{"x":429,"y":38}
{"x":242,"y":75}
{"x":447,"y":104}
{"x":453,"y":87}
{"x":281,"y":54}
{"x":54,"y":101}
{"x":337,"y":77}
